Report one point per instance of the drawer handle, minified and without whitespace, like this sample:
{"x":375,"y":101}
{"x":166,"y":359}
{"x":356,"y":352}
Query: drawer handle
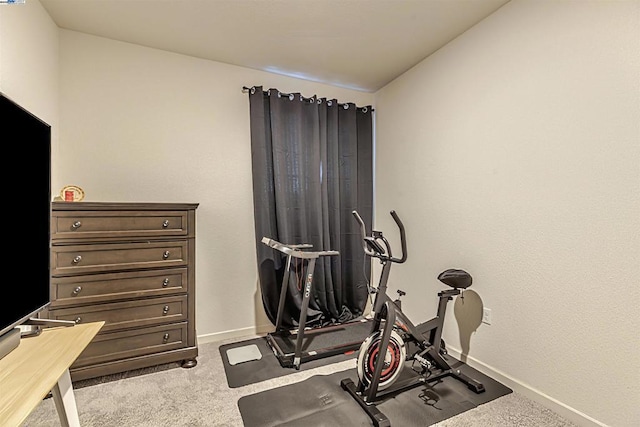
{"x":165,"y":310}
{"x":77,"y":259}
{"x":165,"y":223}
{"x":165,"y":338}
{"x":165,"y":282}
{"x":76,"y":225}
{"x":77,"y":290}
{"x":165,"y":255}
{"x":78,"y":319}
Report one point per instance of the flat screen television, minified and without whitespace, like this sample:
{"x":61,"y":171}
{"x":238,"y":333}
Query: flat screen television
{"x":27,"y":140}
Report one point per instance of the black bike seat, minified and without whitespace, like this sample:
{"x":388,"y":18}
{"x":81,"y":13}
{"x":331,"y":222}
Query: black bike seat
{"x":457,"y":279}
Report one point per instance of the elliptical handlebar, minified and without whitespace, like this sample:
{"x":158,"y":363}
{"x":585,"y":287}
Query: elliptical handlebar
{"x":373,"y":248}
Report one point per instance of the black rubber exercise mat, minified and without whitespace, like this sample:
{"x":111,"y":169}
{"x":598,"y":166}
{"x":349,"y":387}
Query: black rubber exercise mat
{"x":268,"y":366}
{"x":320,"y":401}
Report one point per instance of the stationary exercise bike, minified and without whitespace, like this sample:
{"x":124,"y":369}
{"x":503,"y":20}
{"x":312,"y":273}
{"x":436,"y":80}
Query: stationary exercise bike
{"x":395,"y":341}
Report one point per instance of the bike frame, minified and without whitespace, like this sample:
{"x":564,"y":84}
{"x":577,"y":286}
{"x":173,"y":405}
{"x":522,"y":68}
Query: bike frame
{"x":427,"y":335}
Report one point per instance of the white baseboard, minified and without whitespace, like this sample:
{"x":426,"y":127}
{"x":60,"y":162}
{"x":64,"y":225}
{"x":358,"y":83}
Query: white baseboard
{"x":236,"y":333}
{"x":558,"y":407}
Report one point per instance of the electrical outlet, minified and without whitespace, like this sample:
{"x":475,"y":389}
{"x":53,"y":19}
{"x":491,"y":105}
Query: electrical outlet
{"x":486,"y":316}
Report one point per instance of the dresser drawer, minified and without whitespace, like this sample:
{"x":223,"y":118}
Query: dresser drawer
{"x":129,"y":314}
{"x":84,"y":259}
{"x":109,"y":224}
{"x":100,"y":288}
{"x":133,"y":343}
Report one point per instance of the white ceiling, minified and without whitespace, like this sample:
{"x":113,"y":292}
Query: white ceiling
{"x":358,"y":44}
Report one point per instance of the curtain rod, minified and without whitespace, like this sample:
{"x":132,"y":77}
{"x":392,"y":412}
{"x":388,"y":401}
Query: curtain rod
{"x":290,"y":96}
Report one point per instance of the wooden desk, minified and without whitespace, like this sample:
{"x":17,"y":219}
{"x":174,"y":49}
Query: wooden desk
{"x":41,"y":364}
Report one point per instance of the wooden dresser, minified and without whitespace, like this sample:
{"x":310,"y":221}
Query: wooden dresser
{"x":131,"y":265}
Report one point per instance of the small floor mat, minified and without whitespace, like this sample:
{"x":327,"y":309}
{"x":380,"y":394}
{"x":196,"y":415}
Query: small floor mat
{"x":320,"y":401}
{"x":246,"y":353}
{"x":268,"y":366}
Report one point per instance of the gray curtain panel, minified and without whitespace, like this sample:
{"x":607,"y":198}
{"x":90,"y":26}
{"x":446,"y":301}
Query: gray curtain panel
{"x":312,"y":166}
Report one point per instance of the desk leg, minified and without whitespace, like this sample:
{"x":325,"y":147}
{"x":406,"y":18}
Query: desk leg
{"x":65,"y":401}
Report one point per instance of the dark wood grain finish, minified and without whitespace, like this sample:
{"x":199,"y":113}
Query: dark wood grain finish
{"x":128,"y":314}
{"x":124,"y":224}
{"x":107,"y":347}
{"x":131,"y":265}
{"x":92,"y":289}
{"x":89,"y":258}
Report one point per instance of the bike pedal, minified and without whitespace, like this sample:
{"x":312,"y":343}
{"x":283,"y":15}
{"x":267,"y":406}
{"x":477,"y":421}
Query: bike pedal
{"x":420,"y":371}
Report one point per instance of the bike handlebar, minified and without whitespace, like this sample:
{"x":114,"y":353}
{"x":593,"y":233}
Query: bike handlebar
{"x":403,"y":238}
{"x":373,"y":248}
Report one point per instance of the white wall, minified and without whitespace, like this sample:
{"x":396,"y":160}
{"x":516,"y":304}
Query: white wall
{"x":514,"y":153}
{"x":140,"y":124}
{"x":29,"y":60}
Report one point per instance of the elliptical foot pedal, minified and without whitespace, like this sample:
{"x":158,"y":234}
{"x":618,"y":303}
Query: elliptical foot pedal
{"x":378,"y":418}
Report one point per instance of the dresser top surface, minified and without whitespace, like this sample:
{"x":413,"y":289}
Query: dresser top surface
{"x":102,"y":206}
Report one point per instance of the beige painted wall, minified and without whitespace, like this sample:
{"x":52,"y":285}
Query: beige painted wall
{"x":140,"y":124}
{"x":514,"y":152}
{"x":29,"y":60}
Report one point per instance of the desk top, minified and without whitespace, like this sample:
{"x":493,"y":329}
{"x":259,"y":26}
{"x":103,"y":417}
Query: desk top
{"x":30,"y":371}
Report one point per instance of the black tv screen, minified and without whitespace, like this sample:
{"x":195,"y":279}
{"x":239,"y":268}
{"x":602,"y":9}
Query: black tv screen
{"x":27,"y":162}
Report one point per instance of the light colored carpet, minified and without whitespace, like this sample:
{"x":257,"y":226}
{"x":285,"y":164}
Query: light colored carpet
{"x":170,"y":396}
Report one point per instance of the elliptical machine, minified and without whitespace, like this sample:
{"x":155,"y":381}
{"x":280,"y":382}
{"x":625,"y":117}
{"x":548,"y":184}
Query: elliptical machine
{"x":396,"y":341}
